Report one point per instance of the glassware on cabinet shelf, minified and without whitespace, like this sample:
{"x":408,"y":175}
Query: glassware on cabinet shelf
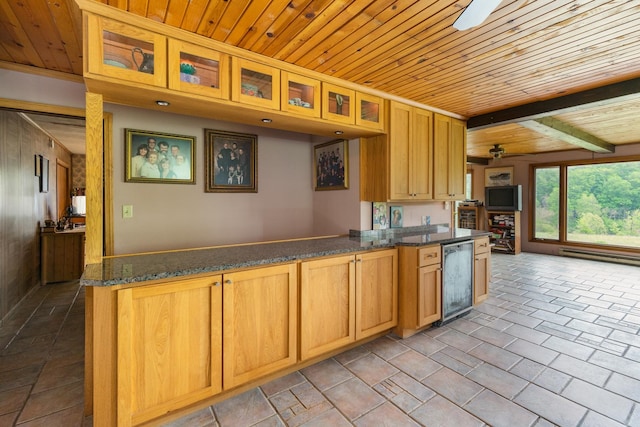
{"x":300,"y":94}
{"x":121,"y":51}
{"x":126,"y":52}
{"x":198,"y":69}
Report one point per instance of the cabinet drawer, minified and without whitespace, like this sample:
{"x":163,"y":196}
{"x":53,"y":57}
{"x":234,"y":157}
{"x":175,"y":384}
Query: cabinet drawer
{"x":481,"y":245}
{"x":429,"y":255}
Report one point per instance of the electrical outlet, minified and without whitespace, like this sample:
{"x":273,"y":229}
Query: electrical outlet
{"x":127,"y":211}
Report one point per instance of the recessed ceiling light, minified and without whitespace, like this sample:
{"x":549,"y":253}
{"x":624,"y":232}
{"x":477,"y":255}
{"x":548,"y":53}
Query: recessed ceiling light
{"x":266,"y":120}
{"x":339,"y":132}
{"x":162,"y":103}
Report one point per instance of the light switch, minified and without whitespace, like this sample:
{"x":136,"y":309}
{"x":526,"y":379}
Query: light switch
{"x":127,"y":211}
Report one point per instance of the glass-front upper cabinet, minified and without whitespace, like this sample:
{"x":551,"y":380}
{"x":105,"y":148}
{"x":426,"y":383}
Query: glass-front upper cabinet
{"x":126,"y":52}
{"x":255,"y":84}
{"x":198,"y":70}
{"x":300,"y":95}
{"x":369,"y":111}
{"x":338,"y":103}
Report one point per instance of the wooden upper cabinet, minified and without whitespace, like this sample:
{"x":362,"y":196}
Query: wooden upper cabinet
{"x":370,"y":111}
{"x":410,"y":131}
{"x":126,"y":52}
{"x":449,"y":158}
{"x":198,"y":70}
{"x":255,"y":84}
{"x":300,"y":95}
{"x":338,"y":104}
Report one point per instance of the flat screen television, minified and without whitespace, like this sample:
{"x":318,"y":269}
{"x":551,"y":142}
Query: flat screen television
{"x":503,"y":198}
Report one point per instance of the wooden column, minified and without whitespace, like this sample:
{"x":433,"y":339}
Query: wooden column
{"x":94,"y":185}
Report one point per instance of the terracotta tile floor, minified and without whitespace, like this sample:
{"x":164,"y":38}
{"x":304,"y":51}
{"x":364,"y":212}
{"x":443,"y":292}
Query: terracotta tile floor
{"x":557,"y":343}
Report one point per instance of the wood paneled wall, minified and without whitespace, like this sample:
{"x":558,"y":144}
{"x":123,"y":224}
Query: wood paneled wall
{"x":22,"y":207}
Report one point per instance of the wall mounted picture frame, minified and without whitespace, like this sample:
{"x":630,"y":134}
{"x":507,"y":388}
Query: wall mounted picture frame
{"x":44,"y":174}
{"x":230,"y":162}
{"x":331,"y":165}
{"x":497,"y":177}
{"x":157,"y":157}
{"x":380,"y":218}
{"x":37,"y":165}
{"x":396,"y":215}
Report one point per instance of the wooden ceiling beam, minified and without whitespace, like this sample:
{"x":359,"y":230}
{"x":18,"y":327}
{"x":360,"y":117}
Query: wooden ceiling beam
{"x":608,"y":94}
{"x":477,"y":160}
{"x":555,"y":128}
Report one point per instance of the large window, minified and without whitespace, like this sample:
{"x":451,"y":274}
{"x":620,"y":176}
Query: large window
{"x":547,"y":203}
{"x":595,"y":203}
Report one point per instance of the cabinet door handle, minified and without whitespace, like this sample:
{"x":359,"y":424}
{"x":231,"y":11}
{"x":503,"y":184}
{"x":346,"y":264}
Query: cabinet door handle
{"x":228,"y":282}
{"x":217,"y":283}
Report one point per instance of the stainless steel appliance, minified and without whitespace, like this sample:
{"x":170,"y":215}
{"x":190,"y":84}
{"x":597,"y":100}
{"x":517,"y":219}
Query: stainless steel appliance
{"x":457,"y":279}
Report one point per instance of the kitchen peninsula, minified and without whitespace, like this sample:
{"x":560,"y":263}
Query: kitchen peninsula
{"x":173,"y":331}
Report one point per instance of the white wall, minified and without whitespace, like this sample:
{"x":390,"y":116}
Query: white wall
{"x":45,"y":90}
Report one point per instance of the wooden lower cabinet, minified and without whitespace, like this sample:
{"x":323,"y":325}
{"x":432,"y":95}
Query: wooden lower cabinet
{"x":62,"y":256}
{"x":169,"y":347}
{"x":155,"y":349}
{"x":420,"y":288}
{"x":376,"y":292}
{"x":260,"y":322}
{"x":170,"y":338}
{"x":346,"y":298}
{"x":481,"y":269}
{"x":327,"y":305}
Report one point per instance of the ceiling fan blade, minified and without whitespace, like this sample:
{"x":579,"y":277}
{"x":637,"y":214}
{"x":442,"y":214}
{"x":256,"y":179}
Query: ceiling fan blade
{"x":475,"y":14}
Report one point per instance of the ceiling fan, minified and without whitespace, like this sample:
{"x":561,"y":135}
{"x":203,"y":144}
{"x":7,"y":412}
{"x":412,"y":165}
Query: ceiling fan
{"x":497,"y":151}
{"x":475,"y":14}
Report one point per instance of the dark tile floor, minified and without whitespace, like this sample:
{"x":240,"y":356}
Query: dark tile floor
{"x":557,"y":343}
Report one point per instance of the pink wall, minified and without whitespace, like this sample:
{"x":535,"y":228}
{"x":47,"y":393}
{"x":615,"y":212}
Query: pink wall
{"x":175,"y":216}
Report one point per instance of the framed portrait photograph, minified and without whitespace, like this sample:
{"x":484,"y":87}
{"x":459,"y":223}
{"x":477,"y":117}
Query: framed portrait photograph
{"x":496,"y":177}
{"x":330,"y":165}
{"x":159,"y":157}
{"x":395,"y":215}
{"x":230,"y":162}
{"x":380,"y":220}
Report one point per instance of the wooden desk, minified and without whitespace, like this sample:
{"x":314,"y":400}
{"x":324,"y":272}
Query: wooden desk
{"x":62,"y":255}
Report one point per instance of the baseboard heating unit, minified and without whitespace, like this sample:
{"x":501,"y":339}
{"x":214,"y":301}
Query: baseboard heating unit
{"x":600,"y":256}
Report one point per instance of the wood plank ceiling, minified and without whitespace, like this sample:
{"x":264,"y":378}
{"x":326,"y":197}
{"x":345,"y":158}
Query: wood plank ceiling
{"x":526,"y":51}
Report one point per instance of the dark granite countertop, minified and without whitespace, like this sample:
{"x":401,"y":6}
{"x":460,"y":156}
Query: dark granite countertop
{"x":136,"y":268}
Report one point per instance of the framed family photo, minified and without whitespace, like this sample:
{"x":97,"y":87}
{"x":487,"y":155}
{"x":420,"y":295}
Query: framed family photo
{"x":159,"y":157}
{"x":230,"y":162}
{"x":330,"y":165}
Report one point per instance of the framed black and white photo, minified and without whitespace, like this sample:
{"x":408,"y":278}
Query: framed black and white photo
{"x":497,"y":177}
{"x":159,"y":157}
